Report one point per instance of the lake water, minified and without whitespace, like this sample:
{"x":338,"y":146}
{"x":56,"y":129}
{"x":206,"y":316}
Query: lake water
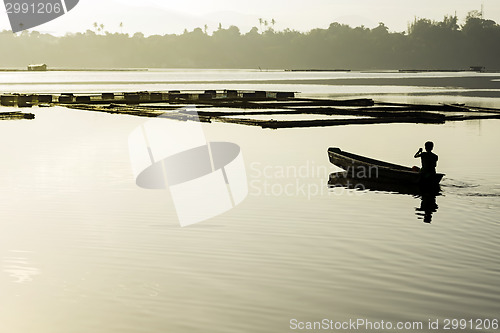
{"x":83,"y":249}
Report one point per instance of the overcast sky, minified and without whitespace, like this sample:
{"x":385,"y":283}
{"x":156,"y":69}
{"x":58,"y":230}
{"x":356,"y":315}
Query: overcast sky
{"x":167,"y":16}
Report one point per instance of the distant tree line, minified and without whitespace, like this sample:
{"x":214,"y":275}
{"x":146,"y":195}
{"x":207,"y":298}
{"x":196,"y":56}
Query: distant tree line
{"x":426,"y":45}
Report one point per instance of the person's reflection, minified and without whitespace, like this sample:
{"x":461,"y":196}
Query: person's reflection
{"x":428,"y":206}
{"x":427,"y":195}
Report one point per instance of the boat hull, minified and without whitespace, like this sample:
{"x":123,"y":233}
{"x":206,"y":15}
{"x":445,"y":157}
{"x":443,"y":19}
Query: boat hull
{"x":337,"y":179}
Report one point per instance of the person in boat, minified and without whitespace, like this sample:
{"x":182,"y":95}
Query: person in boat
{"x":429,"y":162}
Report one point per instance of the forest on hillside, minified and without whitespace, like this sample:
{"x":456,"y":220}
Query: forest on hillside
{"x":426,"y":44}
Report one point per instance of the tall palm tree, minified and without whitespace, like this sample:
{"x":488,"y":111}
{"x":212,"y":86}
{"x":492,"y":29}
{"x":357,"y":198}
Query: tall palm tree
{"x":261,"y":20}
{"x":273,"y":22}
{"x":102,"y":27}
{"x":121,"y":27}
{"x":205,"y":28}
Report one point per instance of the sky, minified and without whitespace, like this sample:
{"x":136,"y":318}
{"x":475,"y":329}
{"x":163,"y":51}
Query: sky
{"x":168,"y":16}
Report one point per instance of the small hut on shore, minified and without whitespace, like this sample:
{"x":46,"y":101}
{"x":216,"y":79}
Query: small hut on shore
{"x":37,"y":68}
{"x":477,"y":69}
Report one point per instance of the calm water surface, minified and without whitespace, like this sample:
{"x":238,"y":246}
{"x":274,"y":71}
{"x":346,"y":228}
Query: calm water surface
{"x":83,"y":249}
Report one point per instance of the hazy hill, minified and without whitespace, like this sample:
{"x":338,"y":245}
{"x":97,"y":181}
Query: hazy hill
{"x":426,"y":45}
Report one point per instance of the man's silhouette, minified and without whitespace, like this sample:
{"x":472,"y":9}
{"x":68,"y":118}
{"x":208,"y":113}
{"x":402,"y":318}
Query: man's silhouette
{"x":429,"y":162}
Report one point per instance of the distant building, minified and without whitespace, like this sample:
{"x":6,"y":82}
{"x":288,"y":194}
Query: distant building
{"x":477,"y":68}
{"x":37,"y":68}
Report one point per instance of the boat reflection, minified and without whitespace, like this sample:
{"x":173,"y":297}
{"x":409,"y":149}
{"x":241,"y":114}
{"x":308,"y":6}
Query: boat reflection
{"x":427,"y":195}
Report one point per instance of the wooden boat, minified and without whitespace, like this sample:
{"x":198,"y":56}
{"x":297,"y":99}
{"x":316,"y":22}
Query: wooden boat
{"x":360,"y":167}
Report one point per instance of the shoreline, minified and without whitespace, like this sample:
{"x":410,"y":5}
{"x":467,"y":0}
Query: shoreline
{"x":78,"y":70}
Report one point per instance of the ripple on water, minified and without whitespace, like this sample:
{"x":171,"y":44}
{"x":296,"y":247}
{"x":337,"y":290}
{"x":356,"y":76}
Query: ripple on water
{"x":18,"y":267}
